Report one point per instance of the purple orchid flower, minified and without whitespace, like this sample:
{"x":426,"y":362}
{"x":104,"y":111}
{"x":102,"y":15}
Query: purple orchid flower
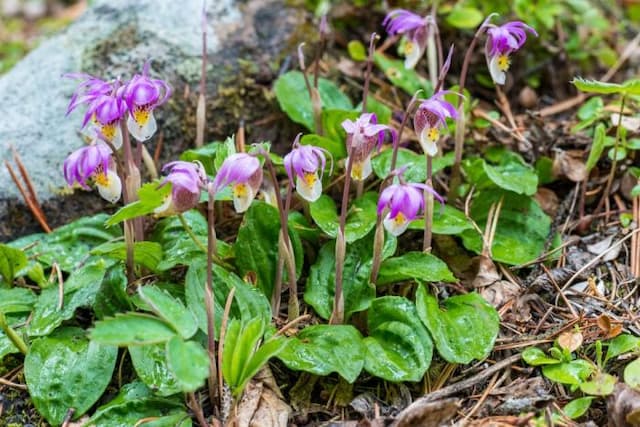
{"x":105,"y":107}
{"x":363,"y":136}
{"x":93,"y":164}
{"x":404,"y":202}
{"x":304,"y":162}
{"x":502,"y":41}
{"x":244,"y":173}
{"x":187,"y":180}
{"x":142,"y":95}
{"x":415,"y":28}
{"x":430,"y":118}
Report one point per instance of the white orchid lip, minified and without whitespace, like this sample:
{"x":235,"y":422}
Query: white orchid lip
{"x":109,"y":186}
{"x":396,"y":226}
{"x":361,"y":170}
{"x":498,"y":69}
{"x":309,"y":187}
{"x":429,"y":140}
{"x":243,"y":195}
{"x":144,"y":129}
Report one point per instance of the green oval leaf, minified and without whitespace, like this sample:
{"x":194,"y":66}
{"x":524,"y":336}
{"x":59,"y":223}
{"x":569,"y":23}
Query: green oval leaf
{"x":323,"y":349}
{"x":12,"y":260}
{"x":293,"y":97}
{"x":446,"y":220}
{"x":147,"y":254}
{"x":454,"y":328}
{"x":632,"y":374}
{"x":630,"y":87}
{"x":574,"y":372}
{"x":416,"y":164}
{"x":150,"y":197}
{"x":358,"y":292}
{"x":65,"y":370}
{"x":151,"y":364}
{"x":536,"y":357}
{"x":398,"y":345}
{"x":464,"y":17}
{"x":170,"y":309}
{"x":577,"y":407}
{"x":601,"y":384}
{"x":418,"y":266}
{"x":16,"y":300}
{"x":189,"y":363}
{"x":408,"y":80}
{"x":361,"y":217}
{"x":622,"y":344}
{"x":356,"y":50}
{"x":131,"y":329}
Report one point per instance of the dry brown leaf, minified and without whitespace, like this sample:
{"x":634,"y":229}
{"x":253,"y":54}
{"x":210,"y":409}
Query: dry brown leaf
{"x":485,"y":272}
{"x":570,"y":164}
{"x":548,"y":201}
{"x":500,"y":292}
{"x":260,"y":407}
{"x":609,"y":328}
{"x":428,"y":414}
{"x":623,"y":407}
{"x":570,"y":340}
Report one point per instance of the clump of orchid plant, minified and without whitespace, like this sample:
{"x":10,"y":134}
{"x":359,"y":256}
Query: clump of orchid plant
{"x":305,"y":166}
{"x":94,"y":165}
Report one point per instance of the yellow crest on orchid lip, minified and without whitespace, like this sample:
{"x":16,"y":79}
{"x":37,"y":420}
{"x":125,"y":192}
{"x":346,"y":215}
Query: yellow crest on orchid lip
{"x":433,"y":134}
{"x":310,"y":179}
{"x":141,"y":115}
{"x":400,"y":219}
{"x":108,"y":131}
{"x":408,"y":48}
{"x":101,"y":179}
{"x":239,"y":191}
{"x":504,"y":62}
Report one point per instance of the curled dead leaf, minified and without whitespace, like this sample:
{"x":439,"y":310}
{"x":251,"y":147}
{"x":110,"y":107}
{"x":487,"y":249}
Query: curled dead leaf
{"x":570,"y":164}
{"x":548,"y":201}
{"x":570,"y":340}
{"x":428,"y":414}
{"x":500,"y":292}
{"x":485,"y":272}
{"x":623,"y":407}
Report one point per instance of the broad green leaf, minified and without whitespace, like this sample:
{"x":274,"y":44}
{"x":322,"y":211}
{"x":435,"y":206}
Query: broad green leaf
{"x":358,"y":292}
{"x":398,"y":345}
{"x":293,"y":97}
{"x":332,"y":126}
{"x":536,"y":357}
{"x":597,"y":147}
{"x":170,"y":309}
{"x":248,"y":301}
{"x":577,"y":407}
{"x":65,"y":370}
{"x":357,"y":51}
{"x":268,"y":349}
{"x":418,"y":266}
{"x":151,"y":364}
{"x":68,"y":245}
{"x":455,"y":328}
{"x":336,"y":148}
{"x":323,"y":349}
{"x":446,"y":220}
{"x":622,"y":344}
{"x":131,"y":329}
{"x":189,"y":363}
{"x":464,"y":17}
{"x":591,"y":108}
{"x":205,"y":155}
{"x":574,"y":372}
{"x":361,"y":216}
{"x":135,"y":402}
{"x":416,"y":164}
{"x":12,"y":260}
{"x":112,"y":296}
{"x":16,"y":300}
{"x":521,"y":231}
{"x":601,"y":384}
{"x":147,"y":254}
{"x":632,"y":374}
{"x":257,"y":245}
{"x":6,"y":346}
{"x":150,"y":196}
{"x":511,"y":174}
{"x":80,"y":290}
{"x":629,"y":87}
{"x":408,"y":80}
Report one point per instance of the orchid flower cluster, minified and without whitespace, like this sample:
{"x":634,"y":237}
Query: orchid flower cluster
{"x":502,"y":40}
{"x":108,"y":104}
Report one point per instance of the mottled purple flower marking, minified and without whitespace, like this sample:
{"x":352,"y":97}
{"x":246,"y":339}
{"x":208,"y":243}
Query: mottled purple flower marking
{"x":430,"y":117}
{"x":363,"y":136}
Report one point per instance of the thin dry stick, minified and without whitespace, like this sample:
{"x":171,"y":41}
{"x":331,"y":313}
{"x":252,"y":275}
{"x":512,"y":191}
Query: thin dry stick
{"x":635,"y":242}
{"x":223,"y":334}
{"x":60,"y":287}
{"x":201,"y":109}
{"x":12,"y":384}
{"x":33,"y":207}
{"x":293,"y":323}
{"x":560,"y":293}
{"x":67,"y":417}
{"x":197,"y":409}
{"x":485,"y":394}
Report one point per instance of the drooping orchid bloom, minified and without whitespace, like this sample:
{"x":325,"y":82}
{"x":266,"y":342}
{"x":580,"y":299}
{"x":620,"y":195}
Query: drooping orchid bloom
{"x":243,"y":173}
{"x":363,"y":136}
{"x":142,"y":95}
{"x":502,"y":41}
{"x":404,"y":203}
{"x":306,"y":163}
{"x":416,"y":30}
{"x":93,"y":165}
{"x":105,"y":107}
{"x":430,"y":118}
{"x":187,"y":180}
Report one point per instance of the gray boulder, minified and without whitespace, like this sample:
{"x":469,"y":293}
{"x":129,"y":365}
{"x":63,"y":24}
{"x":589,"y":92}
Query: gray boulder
{"x":246,"y":40}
